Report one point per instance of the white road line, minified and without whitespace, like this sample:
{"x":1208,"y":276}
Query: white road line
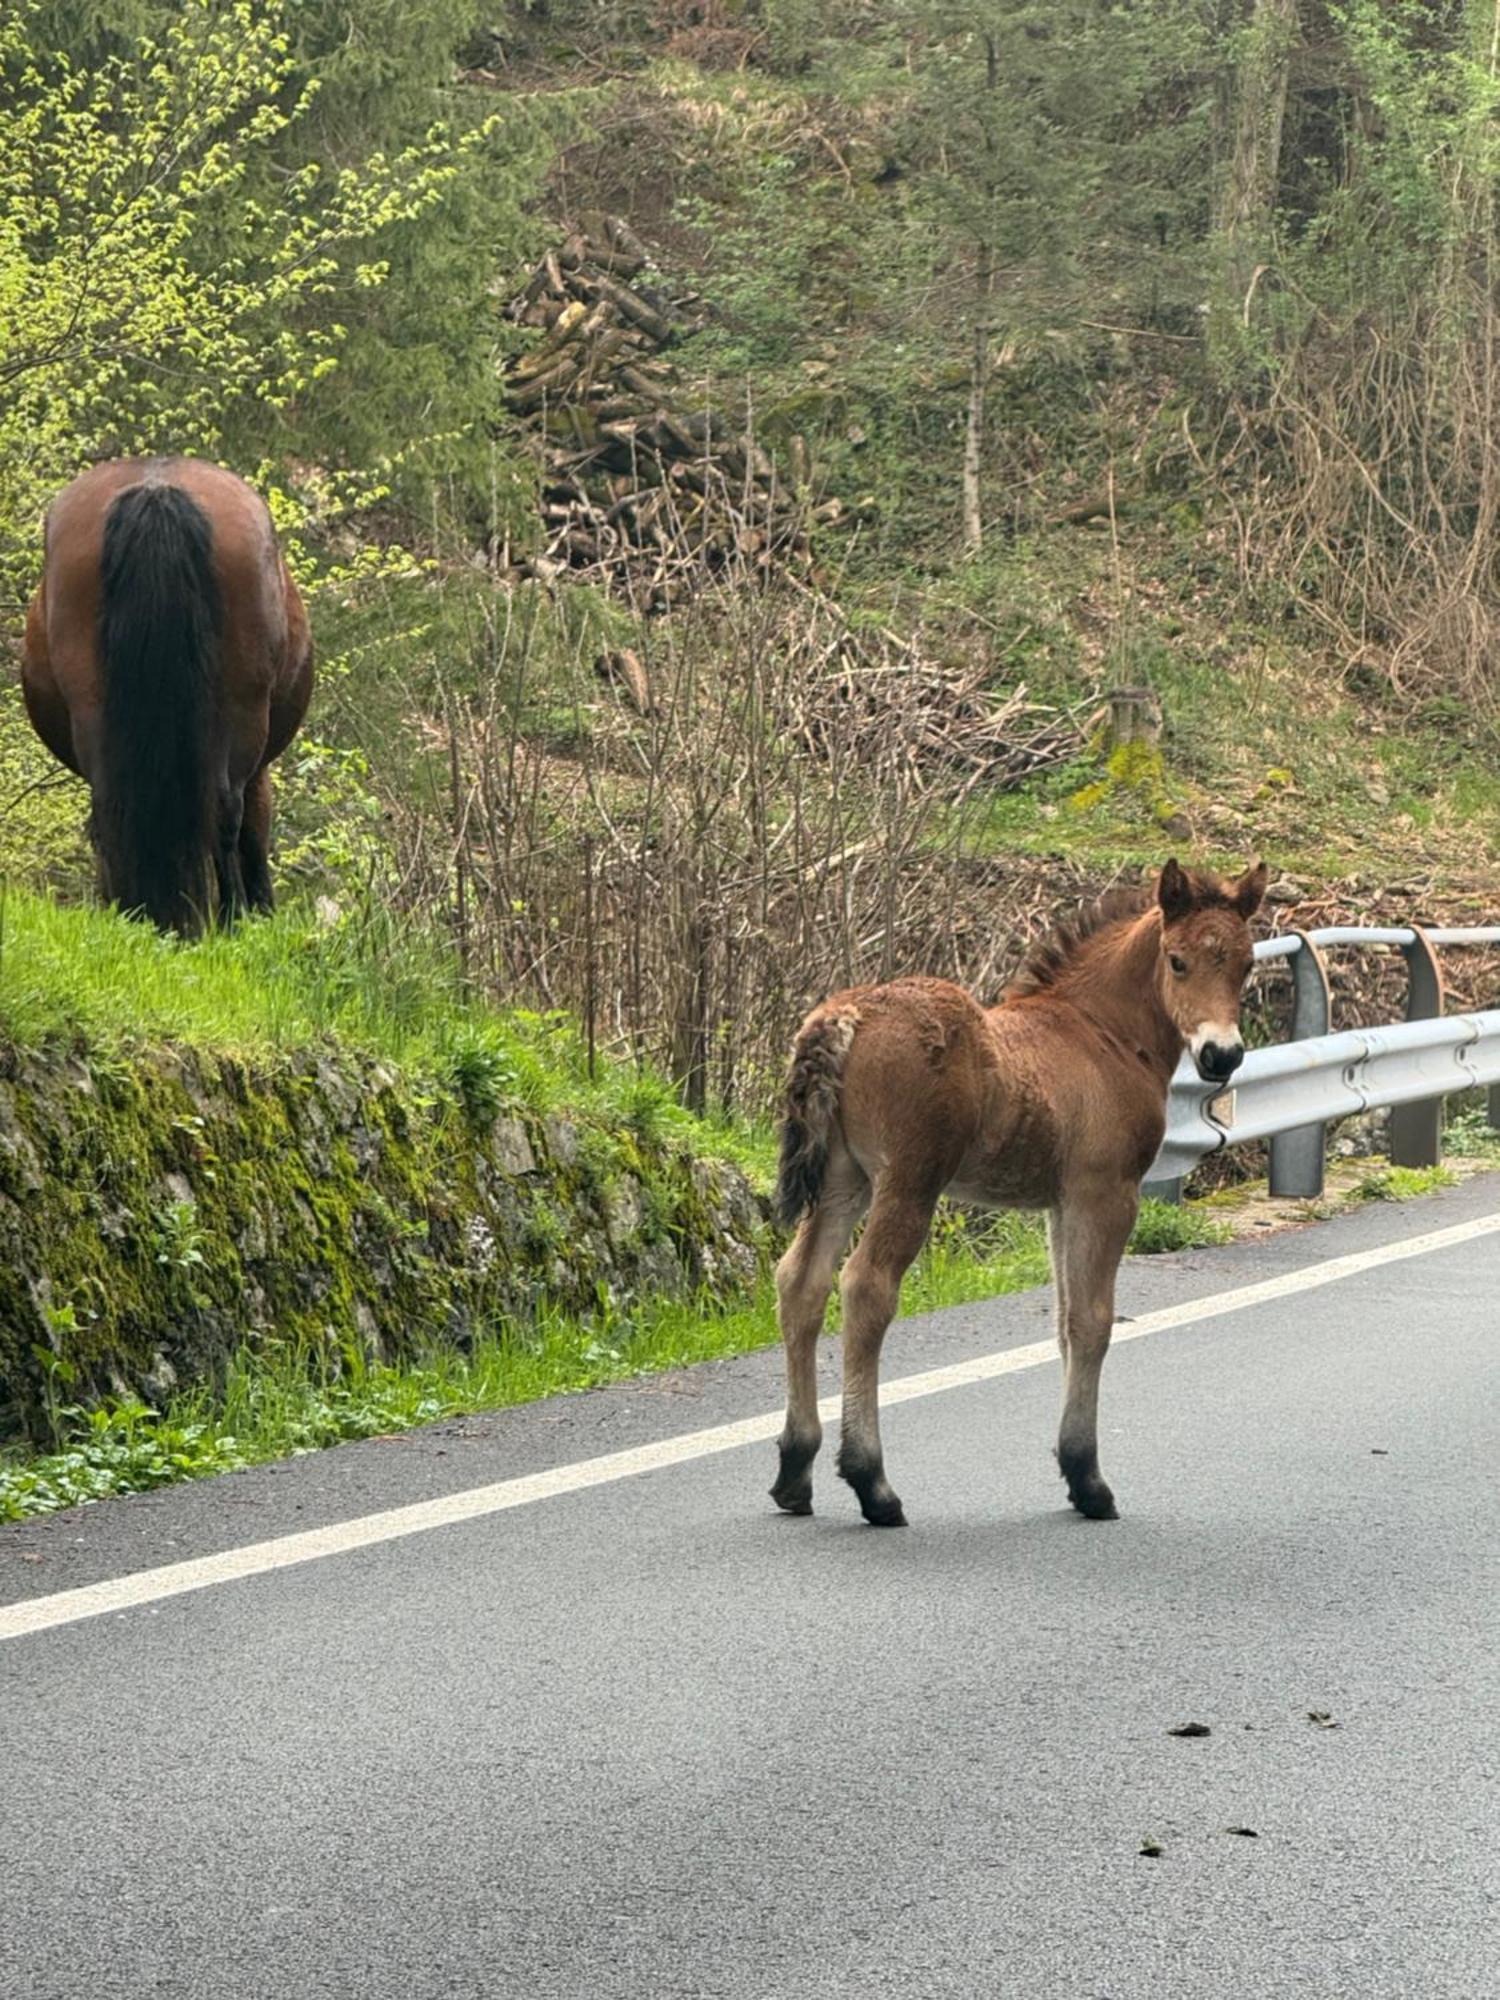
{"x":151,"y":1586}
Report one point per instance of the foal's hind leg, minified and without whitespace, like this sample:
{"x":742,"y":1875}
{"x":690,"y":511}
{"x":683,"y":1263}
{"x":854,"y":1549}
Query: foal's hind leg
{"x":1088,"y":1237}
{"x":871,"y":1289}
{"x":804,"y":1278}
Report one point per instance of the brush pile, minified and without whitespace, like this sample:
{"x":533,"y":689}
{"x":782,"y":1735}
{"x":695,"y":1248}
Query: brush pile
{"x":875,"y":695}
{"x":641,"y":494}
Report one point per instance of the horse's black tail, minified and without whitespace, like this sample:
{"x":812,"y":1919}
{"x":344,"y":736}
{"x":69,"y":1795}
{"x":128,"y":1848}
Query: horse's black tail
{"x":160,"y":620}
{"x":812,"y":1102}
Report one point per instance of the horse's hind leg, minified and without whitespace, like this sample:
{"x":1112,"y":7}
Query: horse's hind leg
{"x":255,"y":844}
{"x":804,"y":1279}
{"x":41,"y":692}
{"x":231,"y":883}
{"x":1088,"y":1238}
{"x":871,"y":1288}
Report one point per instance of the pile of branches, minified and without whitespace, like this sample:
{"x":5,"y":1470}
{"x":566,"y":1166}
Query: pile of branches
{"x":937,"y":721}
{"x":641,"y":494}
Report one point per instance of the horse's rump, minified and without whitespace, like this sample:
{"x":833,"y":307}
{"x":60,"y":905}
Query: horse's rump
{"x":897,"y":1067}
{"x":160,"y":626}
{"x":166,"y":660}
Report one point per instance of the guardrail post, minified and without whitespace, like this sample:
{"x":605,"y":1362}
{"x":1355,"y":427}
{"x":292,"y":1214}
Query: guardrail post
{"x":1163,"y":1191}
{"x":1417,"y":1129}
{"x":1298,"y":1157}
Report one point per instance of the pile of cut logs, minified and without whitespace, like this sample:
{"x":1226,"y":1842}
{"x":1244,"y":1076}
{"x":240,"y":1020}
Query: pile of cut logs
{"x":639,"y":493}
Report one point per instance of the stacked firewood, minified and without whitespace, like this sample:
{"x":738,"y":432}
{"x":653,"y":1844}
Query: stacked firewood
{"x":640,"y":493}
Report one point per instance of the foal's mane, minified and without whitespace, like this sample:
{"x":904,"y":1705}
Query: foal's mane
{"x":1050,"y":957}
{"x":1057,"y":952}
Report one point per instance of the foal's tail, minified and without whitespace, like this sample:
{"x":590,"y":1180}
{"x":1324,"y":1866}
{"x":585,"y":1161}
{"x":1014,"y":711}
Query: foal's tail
{"x":155,"y":809}
{"x":812,"y":1102}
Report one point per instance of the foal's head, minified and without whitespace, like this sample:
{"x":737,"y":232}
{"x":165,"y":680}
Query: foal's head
{"x":1206,"y":959}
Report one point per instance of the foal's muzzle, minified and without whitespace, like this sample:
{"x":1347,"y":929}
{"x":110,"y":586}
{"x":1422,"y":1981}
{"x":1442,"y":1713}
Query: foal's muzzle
{"x":1218,"y":1061}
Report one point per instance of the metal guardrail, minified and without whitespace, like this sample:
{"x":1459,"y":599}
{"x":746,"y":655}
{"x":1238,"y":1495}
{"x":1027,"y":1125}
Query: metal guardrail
{"x":1291,"y":1092}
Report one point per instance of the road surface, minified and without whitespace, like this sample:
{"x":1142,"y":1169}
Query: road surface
{"x":627,"y":1732}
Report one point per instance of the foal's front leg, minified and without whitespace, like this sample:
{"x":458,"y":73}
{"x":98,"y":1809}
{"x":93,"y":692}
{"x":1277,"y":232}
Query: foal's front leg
{"x":1088,"y":1235}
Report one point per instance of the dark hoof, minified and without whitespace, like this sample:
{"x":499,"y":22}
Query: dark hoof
{"x":1086,"y":1489}
{"x":866,"y":1475}
{"x":793,"y":1487}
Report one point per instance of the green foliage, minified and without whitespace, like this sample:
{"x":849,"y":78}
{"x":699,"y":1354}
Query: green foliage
{"x":122,"y":1447}
{"x":481,"y":1075}
{"x":972,"y":1254}
{"x":364,"y":977}
{"x":918,"y":169}
{"x":379,"y":984}
{"x":178,"y":1240}
{"x":1400,"y":1183}
{"x":417,"y":364}
{"x":1164,"y":1225}
{"x":1468,"y":1133}
{"x":1383,"y":234}
{"x":1038,"y":129}
{"x":153,"y":288}
{"x":42,"y":808}
{"x":1373,"y":218}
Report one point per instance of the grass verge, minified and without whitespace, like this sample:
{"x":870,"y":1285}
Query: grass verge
{"x":365,"y":978}
{"x":272,"y":1405}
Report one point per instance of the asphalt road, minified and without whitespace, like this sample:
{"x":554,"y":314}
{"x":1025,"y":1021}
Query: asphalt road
{"x":652,"y":1739}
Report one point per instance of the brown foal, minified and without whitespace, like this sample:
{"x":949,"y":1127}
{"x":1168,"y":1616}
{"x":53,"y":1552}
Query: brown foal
{"x":1055,"y":1099}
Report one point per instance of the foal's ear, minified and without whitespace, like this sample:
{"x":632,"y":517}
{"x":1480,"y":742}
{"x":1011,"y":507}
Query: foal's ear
{"x":1249,"y":890}
{"x":1174,"y":892}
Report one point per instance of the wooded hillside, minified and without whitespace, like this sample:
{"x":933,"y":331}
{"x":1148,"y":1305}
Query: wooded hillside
{"x":733,"y":448}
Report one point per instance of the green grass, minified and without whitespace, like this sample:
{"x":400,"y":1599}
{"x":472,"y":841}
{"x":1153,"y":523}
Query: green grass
{"x":1164,"y":1226}
{"x":273,"y":1404}
{"x":370,"y":981}
{"x":1262,"y":748}
{"x":1400,"y":1183}
{"x":1468,"y":1133}
{"x":285,"y":982}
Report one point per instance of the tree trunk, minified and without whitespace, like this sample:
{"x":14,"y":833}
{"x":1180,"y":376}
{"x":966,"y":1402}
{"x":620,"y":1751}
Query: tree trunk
{"x":979,"y":374}
{"x":1250,"y":189}
{"x":979,"y":353}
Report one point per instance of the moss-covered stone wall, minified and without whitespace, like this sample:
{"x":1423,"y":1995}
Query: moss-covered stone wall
{"x":160,"y":1211}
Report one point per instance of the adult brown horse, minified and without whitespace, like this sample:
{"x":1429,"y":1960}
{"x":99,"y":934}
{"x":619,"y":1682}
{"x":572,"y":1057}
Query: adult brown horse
{"x":167,"y":661}
{"x":1056,"y":1099}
